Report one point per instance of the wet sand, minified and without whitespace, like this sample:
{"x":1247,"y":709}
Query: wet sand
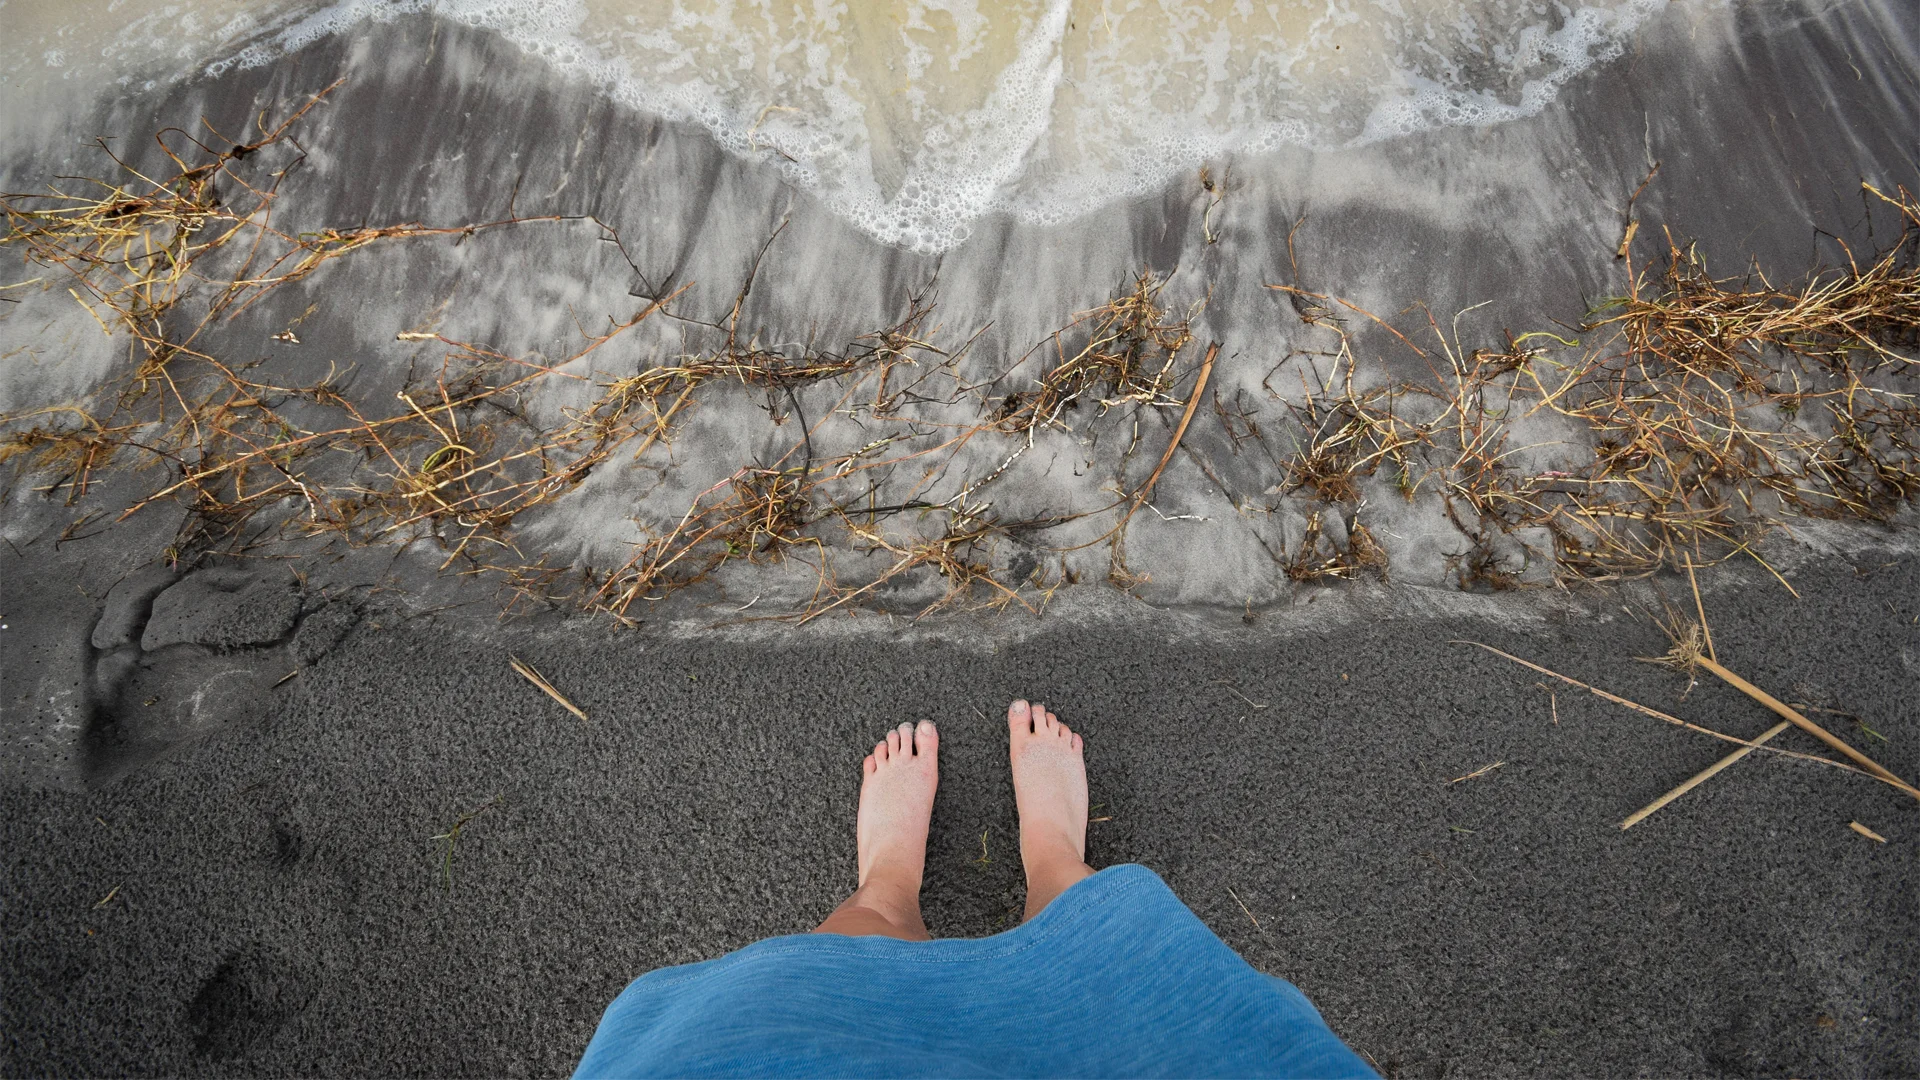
{"x":1765,"y":123}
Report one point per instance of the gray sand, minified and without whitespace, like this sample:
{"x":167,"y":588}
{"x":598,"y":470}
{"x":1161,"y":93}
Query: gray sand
{"x":279,"y":906}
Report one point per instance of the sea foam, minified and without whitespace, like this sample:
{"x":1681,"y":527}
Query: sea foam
{"x":914,"y":118}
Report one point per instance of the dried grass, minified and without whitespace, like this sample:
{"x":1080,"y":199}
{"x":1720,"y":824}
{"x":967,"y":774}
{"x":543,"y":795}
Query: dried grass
{"x":1127,"y":357}
{"x":1712,"y":410}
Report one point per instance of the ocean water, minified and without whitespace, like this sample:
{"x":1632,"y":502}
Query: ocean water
{"x":913,"y":118}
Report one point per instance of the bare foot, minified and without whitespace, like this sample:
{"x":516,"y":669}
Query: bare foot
{"x":896,"y":804}
{"x":896,"y":807}
{"x":1050,"y":787}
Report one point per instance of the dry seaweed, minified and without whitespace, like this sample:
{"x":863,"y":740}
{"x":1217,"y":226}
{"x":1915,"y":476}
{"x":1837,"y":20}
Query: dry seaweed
{"x":1704,"y":412}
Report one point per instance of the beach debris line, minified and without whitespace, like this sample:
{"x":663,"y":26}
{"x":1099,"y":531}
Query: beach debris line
{"x":1117,"y":571}
{"x":240,"y":445}
{"x":1712,"y":409}
{"x":1126,"y":356}
{"x":532,"y":675}
{"x":1703,"y":413}
{"x":1186,"y":417}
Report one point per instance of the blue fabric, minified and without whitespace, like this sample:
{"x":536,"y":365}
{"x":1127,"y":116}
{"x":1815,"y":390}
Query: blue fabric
{"x":1114,"y":978}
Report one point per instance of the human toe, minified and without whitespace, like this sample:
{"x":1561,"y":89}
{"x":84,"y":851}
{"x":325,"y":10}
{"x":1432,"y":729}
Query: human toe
{"x":926,"y":738}
{"x":1020,"y":717}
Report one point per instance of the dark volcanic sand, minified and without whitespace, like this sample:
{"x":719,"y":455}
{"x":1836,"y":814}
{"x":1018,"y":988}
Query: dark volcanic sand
{"x":278,"y":903}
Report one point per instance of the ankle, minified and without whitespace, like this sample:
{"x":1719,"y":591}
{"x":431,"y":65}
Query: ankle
{"x":1048,"y":860}
{"x":894,"y":895}
{"x":1046,"y":882}
{"x":1049,"y":872}
{"x":858,"y":917}
{"x":1041,"y":848}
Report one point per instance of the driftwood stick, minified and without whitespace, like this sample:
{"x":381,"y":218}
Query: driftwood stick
{"x":1702,"y":776}
{"x":1811,"y":728}
{"x":1193,"y":403}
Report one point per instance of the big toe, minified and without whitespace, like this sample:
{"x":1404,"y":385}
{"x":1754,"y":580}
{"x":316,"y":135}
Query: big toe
{"x":1020,"y":717}
{"x":926,"y":739}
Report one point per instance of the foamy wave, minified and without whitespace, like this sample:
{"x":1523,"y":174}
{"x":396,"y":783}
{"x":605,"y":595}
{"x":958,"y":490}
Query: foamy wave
{"x":913,"y":118}
{"x":1590,"y":36}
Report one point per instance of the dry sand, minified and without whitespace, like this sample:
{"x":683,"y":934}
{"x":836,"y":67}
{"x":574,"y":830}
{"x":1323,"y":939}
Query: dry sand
{"x":279,"y":904}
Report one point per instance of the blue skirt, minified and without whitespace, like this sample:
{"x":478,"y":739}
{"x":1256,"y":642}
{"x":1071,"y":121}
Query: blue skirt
{"x":1114,"y":978}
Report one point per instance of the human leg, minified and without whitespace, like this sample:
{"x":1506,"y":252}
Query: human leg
{"x":1050,"y":788}
{"x":896,"y":806}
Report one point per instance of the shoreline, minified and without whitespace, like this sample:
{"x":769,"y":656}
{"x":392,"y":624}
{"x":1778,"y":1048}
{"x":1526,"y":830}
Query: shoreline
{"x":1216,"y":534}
